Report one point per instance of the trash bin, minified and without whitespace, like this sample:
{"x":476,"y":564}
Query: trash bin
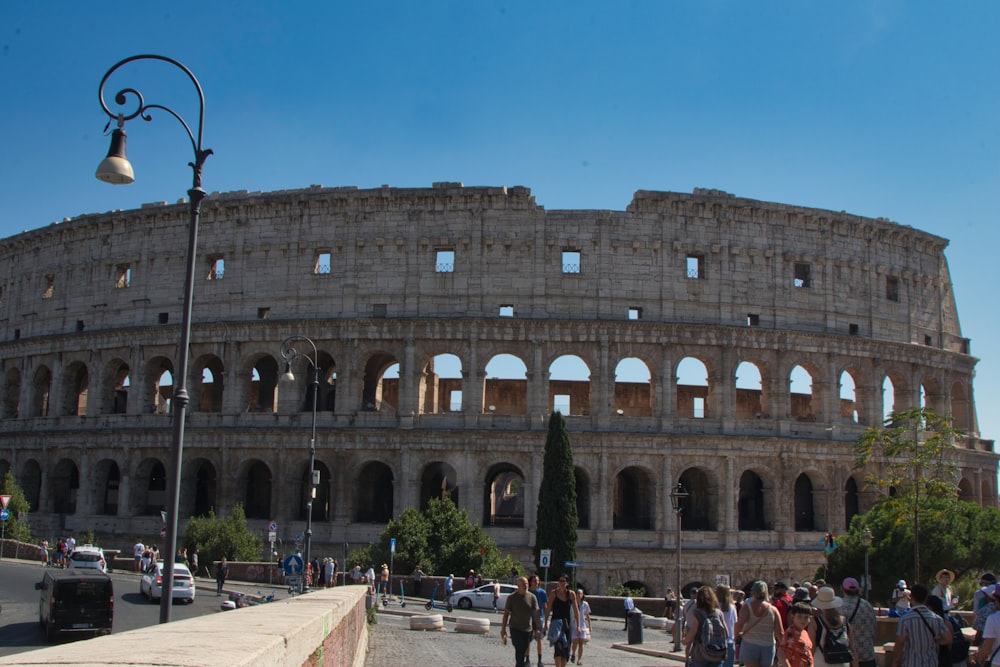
{"x":635,"y":627}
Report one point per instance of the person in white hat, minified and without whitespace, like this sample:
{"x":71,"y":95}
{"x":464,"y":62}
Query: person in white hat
{"x":832,"y":642}
{"x":900,"y":600}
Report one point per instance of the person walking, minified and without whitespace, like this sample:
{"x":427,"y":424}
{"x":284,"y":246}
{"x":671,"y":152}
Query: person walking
{"x":860,"y":622}
{"x":919,"y":633}
{"x":581,"y":628}
{"x":496,"y":593}
{"x":562,"y":604}
{"x":221,"y":572}
{"x":520,"y":614}
{"x":137,"y":550}
{"x":796,"y":647}
{"x":724,"y":595}
{"x":418,"y":576}
{"x":831,"y":639}
{"x":759,"y":627}
{"x":705,"y":610}
{"x":535,"y":586}
{"x":629,"y":608}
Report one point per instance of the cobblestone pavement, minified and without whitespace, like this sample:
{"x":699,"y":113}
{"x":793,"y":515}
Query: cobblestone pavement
{"x":392,"y":643}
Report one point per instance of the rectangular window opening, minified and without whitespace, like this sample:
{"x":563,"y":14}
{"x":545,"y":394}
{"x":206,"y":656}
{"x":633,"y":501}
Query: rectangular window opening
{"x":79,"y":325}
{"x":802,"y":277}
{"x":322,"y":265}
{"x":455,"y":401}
{"x":506,"y":310}
{"x":445,"y":261}
{"x":634,"y":313}
{"x":164,"y":318}
{"x":753,"y":320}
{"x":928,"y":340}
{"x":560,"y":403}
{"x":263,"y":313}
{"x":698,"y":411}
{"x":50,"y":286}
{"x":695,"y":267}
{"x":380,"y":310}
{"x":216,"y":267}
{"x":571,"y":261}
{"x":892,"y":288}
{"x":854,"y":329}
{"x":123,"y":276}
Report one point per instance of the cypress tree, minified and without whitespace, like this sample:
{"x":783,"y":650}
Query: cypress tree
{"x":557,"y":519}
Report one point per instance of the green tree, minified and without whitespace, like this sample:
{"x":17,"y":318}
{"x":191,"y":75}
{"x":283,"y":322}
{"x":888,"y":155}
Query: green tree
{"x":16,"y":529}
{"x":913,"y":457}
{"x":442,"y":540}
{"x":557,"y":519}
{"x":229,"y":537}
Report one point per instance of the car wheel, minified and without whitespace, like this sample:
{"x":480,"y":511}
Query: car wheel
{"x":464,"y":603}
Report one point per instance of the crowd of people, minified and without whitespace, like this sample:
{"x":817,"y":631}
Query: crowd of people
{"x":63,"y":549}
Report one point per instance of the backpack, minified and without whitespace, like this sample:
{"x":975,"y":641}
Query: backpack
{"x":959,"y":644}
{"x":710,"y":645}
{"x":834,"y":645}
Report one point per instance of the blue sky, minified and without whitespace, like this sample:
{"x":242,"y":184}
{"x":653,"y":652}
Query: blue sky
{"x":880,"y":108}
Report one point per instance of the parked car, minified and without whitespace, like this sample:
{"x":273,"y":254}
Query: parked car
{"x":151,"y":583}
{"x":75,"y":602}
{"x":481,"y":598}
{"x":87,"y":556}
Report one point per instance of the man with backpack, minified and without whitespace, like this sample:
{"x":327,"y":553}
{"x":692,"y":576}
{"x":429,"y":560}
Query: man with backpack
{"x":919,"y":633}
{"x":706,"y":637}
{"x":860,"y":622}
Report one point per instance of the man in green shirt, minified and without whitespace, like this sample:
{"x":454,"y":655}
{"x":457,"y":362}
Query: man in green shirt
{"x":521,"y":613}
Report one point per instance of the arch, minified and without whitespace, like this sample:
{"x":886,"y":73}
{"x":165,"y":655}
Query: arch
{"x":569,"y":385}
{"x":634,"y":495}
{"x":12,"y":394}
{"x":932,"y":395}
{"x":380,"y":389}
{"x":209,"y":389}
{"x":41,"y":387}
{"x":633,"y":388}
{"x":582,"y":497}
{"x":699,"y":512}
{"x":31,"y":483}
{"x":107,"y":478}
{"x":257,"y":490}
{"x":692,"y":389}
{"x":263,"y":394}
{"x":159,"y":389}
{"x":374,"y":494}
{"x":966,"y":491}
{"x":75,"y":381}
{"x":849,"y":398}
{"x":505,"y":387}
{"x":802,"y":401}
{"x":852,"y":501}
{"x":321,"y":502}
{"x":805,"y":513}
{"x":503,"y":496}
{"x":894,"y":392}
{"x":960,"y":407}
{"x":64,"y":486}
{"x":202,"y":482}
{"x":116,"y":386}
{"x":441,"y":385}
{"x":151,"y":487}
{"x":749,"y":391}
{"x":438,"y":480}
{"x":751,"y":502}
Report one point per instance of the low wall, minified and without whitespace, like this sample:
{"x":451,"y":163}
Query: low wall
{"x":326,"y":627}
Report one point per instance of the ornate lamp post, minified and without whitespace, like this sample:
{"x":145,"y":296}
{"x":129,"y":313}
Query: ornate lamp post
{"x":866,"y":541}
{"x":289,"y":353}
{"x":117,"y":170}
{"x":677,"y":496}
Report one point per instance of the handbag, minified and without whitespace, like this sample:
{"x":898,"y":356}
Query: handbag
{"x":556,"y":636}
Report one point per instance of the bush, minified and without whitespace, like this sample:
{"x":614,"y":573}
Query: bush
{"x":229,"y":537}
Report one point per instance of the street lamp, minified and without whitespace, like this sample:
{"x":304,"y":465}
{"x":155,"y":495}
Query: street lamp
{"x":289,"y":353}
{"x":866,"y":541}
{"x":677,"y":496}
{"x":117,"y":170}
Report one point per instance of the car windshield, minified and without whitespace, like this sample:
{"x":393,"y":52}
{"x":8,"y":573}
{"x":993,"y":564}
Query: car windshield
{"x":86,"y":557}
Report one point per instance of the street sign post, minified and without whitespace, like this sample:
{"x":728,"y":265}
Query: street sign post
{"x":544,"y":559}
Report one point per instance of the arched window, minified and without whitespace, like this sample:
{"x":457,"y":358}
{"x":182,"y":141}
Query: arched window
{"x":504,"y":496}
{"x":633,"y":500}
{"x":505,"y":390}
{"x":805,"y":517}
{"x":438,"y":480}
{"x":569,"y":386}
{"x":751,"y":502}
{"x":374,"y":494}
{"x":258,"y":491}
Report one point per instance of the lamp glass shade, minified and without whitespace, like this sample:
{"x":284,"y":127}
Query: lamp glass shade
{"x":115,"y":168}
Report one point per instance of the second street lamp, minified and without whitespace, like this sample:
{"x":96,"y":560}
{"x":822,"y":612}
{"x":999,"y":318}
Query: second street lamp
{"x":677,"y":497}
{"x":289,"y":353}
{"x":117,"y":170}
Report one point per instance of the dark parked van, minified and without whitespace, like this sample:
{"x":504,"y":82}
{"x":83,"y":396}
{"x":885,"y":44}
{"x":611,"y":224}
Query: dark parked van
{"x":75,"y":602}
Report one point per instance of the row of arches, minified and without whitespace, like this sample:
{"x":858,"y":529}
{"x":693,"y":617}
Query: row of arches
{"x":806,"y":393}
{"x":373,"y":498}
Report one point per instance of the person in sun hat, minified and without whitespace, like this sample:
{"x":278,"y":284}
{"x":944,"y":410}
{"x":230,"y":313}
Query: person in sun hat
{"x":828,"y":620}
{"x":900,"y":599}
{"x":945,"y":577}
{"x":861,"y":622}
{"x":801,"y":594}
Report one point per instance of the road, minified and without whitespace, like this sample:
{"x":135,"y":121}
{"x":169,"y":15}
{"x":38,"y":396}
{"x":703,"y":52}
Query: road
{"x":19,"y":628}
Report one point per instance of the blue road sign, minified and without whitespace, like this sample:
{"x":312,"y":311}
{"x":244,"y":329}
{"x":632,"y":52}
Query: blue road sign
{"x":4,"y":514}
{"x":293,"y":565}
{"x":572,"y":563}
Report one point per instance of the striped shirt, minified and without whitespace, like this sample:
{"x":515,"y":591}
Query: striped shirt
{"x":921,"y":627}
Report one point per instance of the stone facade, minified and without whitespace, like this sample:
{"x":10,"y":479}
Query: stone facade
{"x":738,"y":347}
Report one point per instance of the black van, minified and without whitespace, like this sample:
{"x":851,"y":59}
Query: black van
{"x":76,"y":602}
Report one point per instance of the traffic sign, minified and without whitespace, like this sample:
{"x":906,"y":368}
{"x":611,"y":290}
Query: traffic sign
{"x":4,"y":514}
{"x":572,"y":563}
{"x":392,"y":545}
{"x":293,"y":565}
{"x":544,"y":557}
{"x":4,"y":500}
{"x":273,"y":526}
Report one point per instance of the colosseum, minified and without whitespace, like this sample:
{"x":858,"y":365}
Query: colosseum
{"x":734,"y":346}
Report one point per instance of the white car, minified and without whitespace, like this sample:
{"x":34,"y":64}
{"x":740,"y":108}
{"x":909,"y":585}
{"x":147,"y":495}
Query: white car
{"x":88,"y":557}
{"x":482,"y":597}
{"x":151,"y":583}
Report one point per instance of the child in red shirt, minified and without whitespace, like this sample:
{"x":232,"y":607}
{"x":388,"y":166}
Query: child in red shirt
{"x":795,"y":649}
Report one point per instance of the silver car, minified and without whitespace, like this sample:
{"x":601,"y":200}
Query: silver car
{"x":482,"y":597}
{"x":88,"y":557}
{"x":151,"y":583}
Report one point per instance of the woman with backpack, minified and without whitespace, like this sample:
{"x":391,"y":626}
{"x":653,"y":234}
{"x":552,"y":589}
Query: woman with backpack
{"x":832,"y":643}
{"x":956,"y":653}
{"x":758,"y":628}
{"x":706,"y":638}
